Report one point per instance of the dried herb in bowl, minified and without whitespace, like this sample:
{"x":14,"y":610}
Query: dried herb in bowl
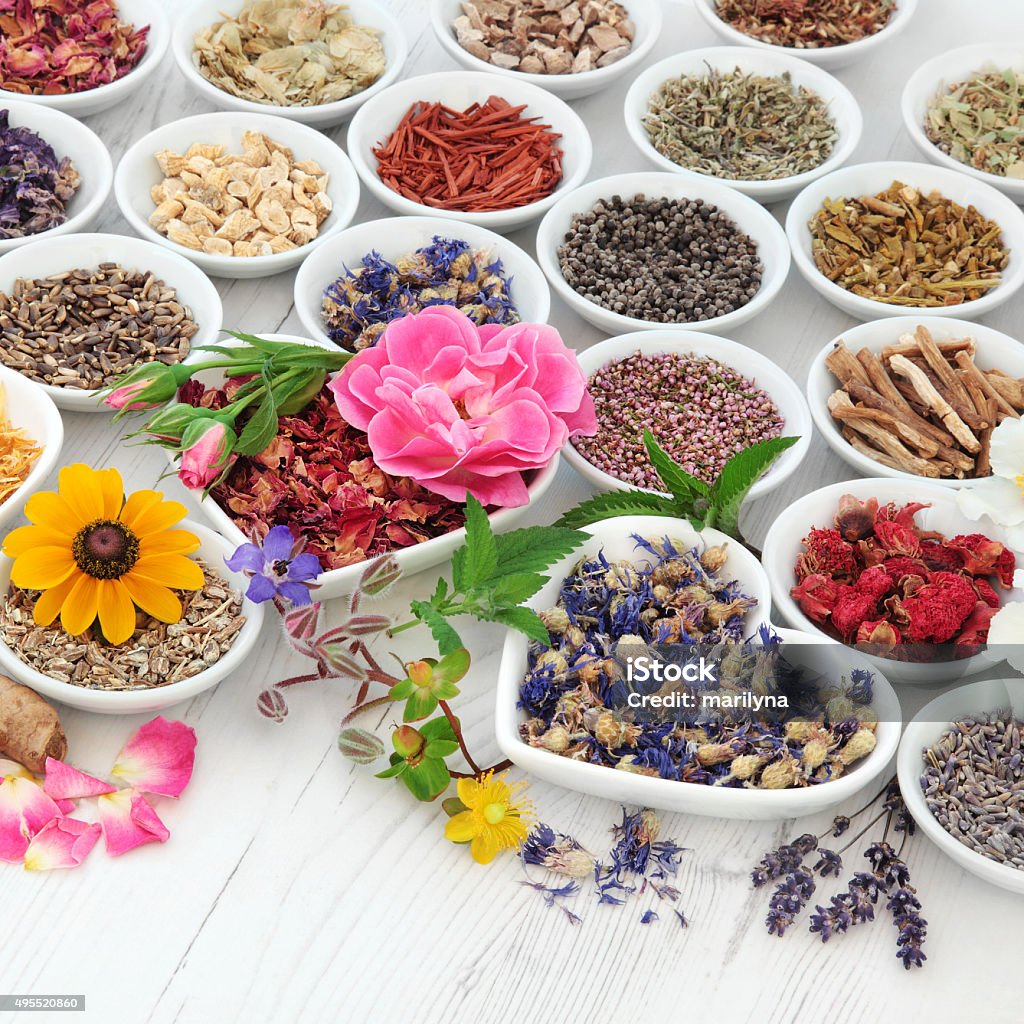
{"x":35,"y":187}
{"x":53,"y":47}
{"x":807,"y":24}
{"x":908,"y":248}
{"x":17,"y":453}
{"x":740,"y":126}
{"x":291,"y":53}
{"x":359,"y":305}
{"x":978,"y":122}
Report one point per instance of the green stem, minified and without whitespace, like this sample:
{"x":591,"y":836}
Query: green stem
{"x":360,"y":708}
{"x":395,"y":630}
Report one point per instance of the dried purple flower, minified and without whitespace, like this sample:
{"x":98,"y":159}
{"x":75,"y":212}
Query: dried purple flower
{"x":35,"y":187}
{"x":904,"y":906}
{"x":790,"y":897}
{"x":557,"y":852}
{"x":829,"y":863}
{"x":840,"y":824}
{"x":783,"y":861}
{"x":648,"y":916}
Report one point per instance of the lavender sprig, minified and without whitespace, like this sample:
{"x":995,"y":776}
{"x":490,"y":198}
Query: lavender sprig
{"x":789,"y":898}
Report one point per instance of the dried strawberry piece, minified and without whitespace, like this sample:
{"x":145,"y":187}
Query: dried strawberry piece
{"x":933,"y":611}
{"x":855,"y":519}
{"x":825,"y":552}
{"x":816,"y":595}
{"x":985,"y":557}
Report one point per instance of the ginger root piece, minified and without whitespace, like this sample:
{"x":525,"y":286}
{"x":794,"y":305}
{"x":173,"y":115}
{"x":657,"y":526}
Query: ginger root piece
{"x":30,"y":729}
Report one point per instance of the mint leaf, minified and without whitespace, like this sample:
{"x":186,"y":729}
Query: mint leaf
{"x":517,"y":587}
{"x":535,"y":548}
{"x":524,"y":620}
{"x":738,"y":475}
{"x":477,"y":560}
{"x":619,"y":503}
{"x":445,"y":637}
{"x":684,"y":487}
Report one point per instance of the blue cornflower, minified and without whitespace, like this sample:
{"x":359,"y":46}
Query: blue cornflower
{"x":278,"y":568}
{"x":648,"y":916}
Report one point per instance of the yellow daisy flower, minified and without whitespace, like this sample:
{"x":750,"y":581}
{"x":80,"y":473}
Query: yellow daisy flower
{"x":95,"y":554}
{"x":498,"y":817}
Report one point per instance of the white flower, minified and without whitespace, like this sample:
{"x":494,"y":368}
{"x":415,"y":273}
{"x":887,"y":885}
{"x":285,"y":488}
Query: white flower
{"x":1006,"y":631}
{"x":1001,"y":495}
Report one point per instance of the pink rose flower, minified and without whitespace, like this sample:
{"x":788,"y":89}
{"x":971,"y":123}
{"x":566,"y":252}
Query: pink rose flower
{"x":460,"y":408}
{"x":206,"y":448}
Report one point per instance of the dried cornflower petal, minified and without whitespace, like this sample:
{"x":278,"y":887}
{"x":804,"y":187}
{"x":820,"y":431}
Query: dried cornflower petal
{"x":294,"y":53}
{"x":54,"y":47}
{"x":359,"y":305}
{"x":35,"y":187}
{"x":907,"y":248}
{"x":17,"y":453}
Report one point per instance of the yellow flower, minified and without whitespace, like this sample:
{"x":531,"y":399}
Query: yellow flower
{"x":498,"y":817}
{"x":95,"y":554}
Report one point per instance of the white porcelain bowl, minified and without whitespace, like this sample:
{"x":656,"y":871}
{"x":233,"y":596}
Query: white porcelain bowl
{"x":213,"y":550}
{"x":827,"y":56}
{"x":821,"y":655}
{"x":69,"y":138}
{"x":395,"y":236}
{"x":25,"y":408}
{"x":994,"y":350}
{"x":376,"y":120}
{"x":646,"y":18}
{"x":870,"y":179}
{"x":935,"y":77}
{"x":980,"y":698}
{"x":138,"y":172}
{"x":81,"y":104}
{"x":751,"y":364}
{"x":202,"y":13}
{"x":341,"y":582}
{"x":69,"y":252}
{"x":841,"y":106}
{"x":748,"y":215}
{"x":784,"y":544}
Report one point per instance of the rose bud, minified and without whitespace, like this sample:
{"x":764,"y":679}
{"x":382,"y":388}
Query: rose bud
{"x":206,"y":448}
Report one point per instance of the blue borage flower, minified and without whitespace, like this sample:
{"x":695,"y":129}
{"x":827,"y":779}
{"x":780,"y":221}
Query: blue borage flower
{"x":362,"y":302}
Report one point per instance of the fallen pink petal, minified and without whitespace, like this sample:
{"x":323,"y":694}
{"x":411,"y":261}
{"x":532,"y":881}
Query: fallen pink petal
{"x":128,"y":821}
{"x":61,"y":843}
{"x":159,"y":758}
{"x":66,"y":783}
{"x":24,"y":810}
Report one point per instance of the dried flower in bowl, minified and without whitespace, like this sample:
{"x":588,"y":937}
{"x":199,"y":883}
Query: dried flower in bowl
{"x":359,"y":305}
{"x":875,"y":577}
{"x":54,"y":47}
{"x":254,"y":203}
{"x":17,"y":454}
{"x":293,"y":53}
{"x":35,"y":187}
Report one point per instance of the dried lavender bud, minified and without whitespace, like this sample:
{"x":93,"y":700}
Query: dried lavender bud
{"x":670,"y":261}
{"x":785,"y":860}
{"x":828,"y":863}
{"x":701,"y":411}
{"x":789,"y":898}
{"x":35,"y":187}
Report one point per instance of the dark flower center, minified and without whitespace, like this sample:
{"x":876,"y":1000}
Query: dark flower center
{"x":280,"y":567}
{"x":105,"y":549}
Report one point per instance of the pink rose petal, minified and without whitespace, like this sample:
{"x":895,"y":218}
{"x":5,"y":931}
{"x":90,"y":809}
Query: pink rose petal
{"x":61,"y":843}
{"x":128,"y":821}
{"x":66,"y":783}
{"x":159,"y":758}
{"x":24,"y":810}
{"x":18,"y":771}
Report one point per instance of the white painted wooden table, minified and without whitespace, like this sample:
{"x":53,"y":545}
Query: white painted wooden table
{"x":297,"y":888}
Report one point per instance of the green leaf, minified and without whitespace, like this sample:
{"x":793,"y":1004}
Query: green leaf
{"x":620,"y":503}
{"x":421,"y":704}
{"x":444,"y":635}
{"x":739,"y":474}
{"x":452,"y":806}
{"x":441,"y":748}
{"x":440,"y":591}
{"x":514,"y":589}
{"x":453,"y":666}
{"x":684,"y":487}
{"x":535,"y":548}
{"x":397,"y":768}
{"x":524,"y":620}
{"x":476,"y":561}
{"x":402,"y":690}
{"x":428,"y":780}
{"x":260,"y":430}
{"x":444,"y":690}
{"x":438,"y":729}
